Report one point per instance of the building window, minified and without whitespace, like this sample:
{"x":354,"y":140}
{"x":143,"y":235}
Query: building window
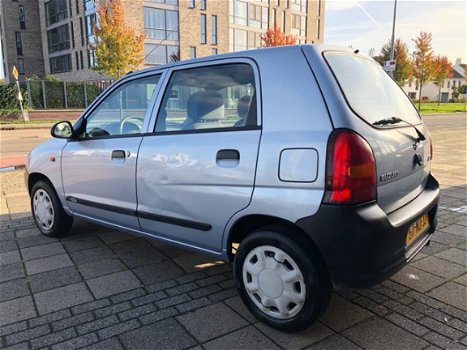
{"x":60,"y":64}
{"x":77,"y":60}
{"x":192,"y":52}
{"x":214,"y":30}
{"x":20,"y":65}
{"x":22,"y":17}
{"x":257,"y":16}
{"x":274,"y":18}
{"x":213,"y":51}
{"x":19,"y":44}
{"x":58,"y":38}
{"x":55,"y":11}
{"x":240,"y":39}
{"x":283,"y":21}
{"x":160,"y":54}
{"x":72,"y":35}
{"x":191,"y":4}
{"x":318,"y":8}
{"x":92,"y":58}
{"x":286,"y":4}
{"x":81,"y":59}
{"x":161,"y":24}
{"x":299,"y":5}
{"x":90,"y":23}
{"x":318,"y":28}
{"x":70,"y":6}
{"x":168,"y":2}
{"x":81,"y":31}
{"x":203,"y":29}
{"x":77,"y":6}
{"x":89,"y":5}
{"x":202,"y":4}
{"x":298,"y":26}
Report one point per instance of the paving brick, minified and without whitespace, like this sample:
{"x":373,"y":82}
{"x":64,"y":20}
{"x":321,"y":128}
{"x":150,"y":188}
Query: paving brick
{"x":210,"y":280}
{"x":165,"y":270}
{"x":441,"y":328}
{"x":161,"y":286}
{"x":82,"y":244}
{"x":246,"y":338}
{"x":61,"y":298}
{"x":97,"y":324}
{"x":443,"y":342}
{"x":446,"y":238}
{"x":342,"y":314}
{"x":211,"y":322}
{"x":13,"y":328}
{"x":143,"y":257}
{"x":118,"y":329}
{"x":167,"y":334}
{"x":9,"y":257}
{"x":8,"y":245}
{"x":181,"y":289}
{"x":20,"y":346}
{"x":92,"y":255}
{"x":15,"y":310}
{"x":53,"y":338}
{"x":458,"y":324}
{"x":440,"y":267}
{"x":72,"y":321}
{"x":132,"y":294}
{"x":25,"y":242}
{"x":237,"y":305}
{"x":113,"y":309}
{"x":204,"y":291}
{"x":370,"y":305}
{"x":11,"y":272}
{"x":407,"y":311}
{"x":53,"y":279}
{"x":115,"y":283}
{"x":390,"y":293}
{"x":417,"y":279}
{"x":458,"y":230}
{"x":48,"y":264}
{"x":192,"y":305}
{"x":407,"y":324}
{"x":137,"y":311}
{"x":454,"y":312}
{"x":191,"y":277}
{"x":373,"y":295}
{"x":225,"y":294}
{"x":172,"y":301}
{"x":380,"y":334}
{"x":454,"y":255}
{"x":451,"y":293}
{"x":13,"y":289}
{"x":395,"y":286}
{"x":429,"y":311}
{"x":93,"y":305}
{"x":49,"y":318}
{"x":149,"y":298}
{"x":107,"y":344}
{"x":27,"y":335}
{"x":227,"y":284}
{"x":222,"y":267}
{"x":425,"y":299}
{"x":158,"y":315}
{"x":296,"y":340}
{"x":333,"y":342}
{"x":77,"y":342}
{"x":42,"y":251}
{"x":104,"y":267}
{"x":462,"y":280}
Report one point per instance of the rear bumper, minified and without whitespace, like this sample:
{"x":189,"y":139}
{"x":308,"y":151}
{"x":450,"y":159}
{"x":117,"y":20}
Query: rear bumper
{"x":362,"y":245}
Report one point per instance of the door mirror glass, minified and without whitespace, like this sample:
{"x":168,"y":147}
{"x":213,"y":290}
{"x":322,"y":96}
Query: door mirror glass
{"x":62,"y":130}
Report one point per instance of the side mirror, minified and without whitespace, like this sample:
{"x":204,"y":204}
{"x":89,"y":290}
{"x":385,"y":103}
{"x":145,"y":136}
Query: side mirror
{"x":62,"y":130}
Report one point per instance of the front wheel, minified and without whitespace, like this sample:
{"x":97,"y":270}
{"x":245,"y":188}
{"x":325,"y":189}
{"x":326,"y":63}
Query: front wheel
{"x":48,"y":212}
{"x":283,"y":283}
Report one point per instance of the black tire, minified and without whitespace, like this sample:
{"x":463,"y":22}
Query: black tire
{"x":315,"y":278}
{"x":50,"y":218}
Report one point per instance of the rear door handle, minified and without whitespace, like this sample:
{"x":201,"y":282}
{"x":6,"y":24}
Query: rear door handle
{"x":228,"y":154}
{"x":118,"y":154}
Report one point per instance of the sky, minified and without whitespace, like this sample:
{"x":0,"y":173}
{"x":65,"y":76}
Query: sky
{"x":368,"y":24}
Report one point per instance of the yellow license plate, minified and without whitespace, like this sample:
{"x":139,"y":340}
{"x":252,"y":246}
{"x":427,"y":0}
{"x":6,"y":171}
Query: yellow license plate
{"x":416,"y":229}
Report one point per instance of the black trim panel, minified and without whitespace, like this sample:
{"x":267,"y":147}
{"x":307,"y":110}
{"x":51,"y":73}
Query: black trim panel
{"x":143,"y":215}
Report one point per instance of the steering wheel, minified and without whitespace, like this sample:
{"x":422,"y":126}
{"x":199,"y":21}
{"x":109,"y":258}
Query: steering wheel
{"x":136,"y":123}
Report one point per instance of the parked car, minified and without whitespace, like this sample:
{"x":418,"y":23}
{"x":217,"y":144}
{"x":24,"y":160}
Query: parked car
{"x":305,"y":166}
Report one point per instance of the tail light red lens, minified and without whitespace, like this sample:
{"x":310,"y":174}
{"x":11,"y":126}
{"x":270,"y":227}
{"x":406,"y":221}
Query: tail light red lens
{"x":351,"y":169}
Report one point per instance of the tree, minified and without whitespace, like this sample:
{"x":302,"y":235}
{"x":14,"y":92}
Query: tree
{"x":442,"y":71}
{"x":404,"y":70}
{"x":275,"y":37}
{"x":424,"y":66}
{"x":118,"y":47}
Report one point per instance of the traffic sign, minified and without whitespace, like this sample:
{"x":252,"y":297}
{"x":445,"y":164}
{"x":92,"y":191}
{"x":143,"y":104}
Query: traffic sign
{"x":389,"y":66}
{"x":14,"y":71}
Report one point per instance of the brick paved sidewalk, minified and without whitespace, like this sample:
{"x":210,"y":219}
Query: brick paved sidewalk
{"x":100,"y":289}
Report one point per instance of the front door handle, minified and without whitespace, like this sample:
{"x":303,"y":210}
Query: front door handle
{"x":228,"y":154}
{"x":118,"y":154}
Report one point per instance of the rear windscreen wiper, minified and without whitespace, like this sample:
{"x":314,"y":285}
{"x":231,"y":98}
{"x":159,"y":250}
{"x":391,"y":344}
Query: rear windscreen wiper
{"x":394,"y":120}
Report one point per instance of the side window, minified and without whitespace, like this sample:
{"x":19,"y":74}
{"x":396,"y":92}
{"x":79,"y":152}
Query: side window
{"x":211,"y":97}
{"x":123,"y":111}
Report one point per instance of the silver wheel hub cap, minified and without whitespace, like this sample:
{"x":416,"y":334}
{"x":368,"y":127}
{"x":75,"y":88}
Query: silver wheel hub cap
{"x":43,"y":209}
{"x":274,"y":282}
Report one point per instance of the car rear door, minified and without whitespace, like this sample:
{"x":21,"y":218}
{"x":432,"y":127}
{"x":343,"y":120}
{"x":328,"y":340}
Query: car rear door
{"x":198,"y":167}
{"x":98,"y":168}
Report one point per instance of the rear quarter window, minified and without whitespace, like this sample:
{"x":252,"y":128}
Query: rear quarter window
{"x":369,"y":91}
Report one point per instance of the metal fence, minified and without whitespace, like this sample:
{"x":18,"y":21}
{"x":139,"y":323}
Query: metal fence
{"x":48,"y":94}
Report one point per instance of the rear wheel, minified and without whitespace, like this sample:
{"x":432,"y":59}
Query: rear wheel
{"x":283,"y":283}
{"x":48,"y":212}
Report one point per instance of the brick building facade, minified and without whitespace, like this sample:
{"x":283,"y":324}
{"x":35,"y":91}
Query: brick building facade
{"x":57,"y":43}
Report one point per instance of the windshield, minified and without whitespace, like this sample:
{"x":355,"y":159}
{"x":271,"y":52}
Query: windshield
{"x":369,"y":91}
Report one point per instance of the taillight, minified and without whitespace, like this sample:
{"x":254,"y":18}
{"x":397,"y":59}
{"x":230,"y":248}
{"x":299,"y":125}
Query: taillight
{"x":350,"y":169}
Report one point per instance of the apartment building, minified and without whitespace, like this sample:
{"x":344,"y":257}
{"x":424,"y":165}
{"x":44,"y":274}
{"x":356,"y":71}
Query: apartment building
{"x":21,"y":38}
{"x":175,"y":29}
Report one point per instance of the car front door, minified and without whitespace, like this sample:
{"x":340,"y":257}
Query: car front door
{"x":198,"y":168}
{"x":98,"y":168}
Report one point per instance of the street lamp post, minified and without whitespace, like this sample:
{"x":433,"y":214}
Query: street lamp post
{"x":391,"y":58}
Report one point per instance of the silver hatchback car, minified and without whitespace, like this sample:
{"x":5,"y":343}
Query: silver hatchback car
{"x":305,"y":166}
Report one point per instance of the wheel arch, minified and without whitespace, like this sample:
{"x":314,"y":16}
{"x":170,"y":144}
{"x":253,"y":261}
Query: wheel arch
{"x":33,"y":178}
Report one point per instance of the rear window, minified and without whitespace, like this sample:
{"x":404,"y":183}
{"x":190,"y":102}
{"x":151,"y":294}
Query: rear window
{"x":369,"y":91}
